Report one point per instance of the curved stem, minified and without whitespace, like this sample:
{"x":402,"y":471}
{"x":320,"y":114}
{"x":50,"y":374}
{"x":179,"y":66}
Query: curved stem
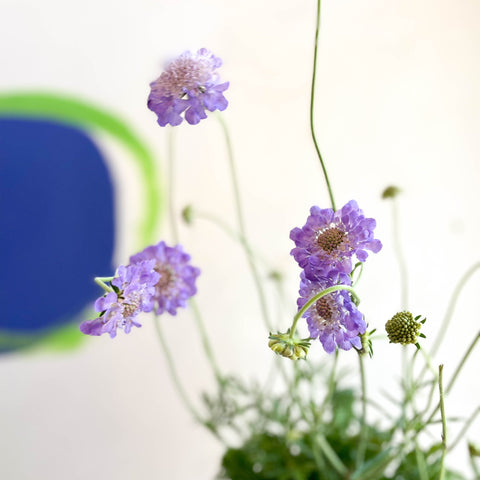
{"x":241,"y":227}
{"x":312,"y":104}
{"x":228,"y":230}
{"x":462,"y":362}
{"x":451,"y":307}
{"x":318,"y":296}
{"x":464,"y":429}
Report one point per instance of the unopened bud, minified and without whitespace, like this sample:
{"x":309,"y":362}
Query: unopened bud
{"x":282,"y":344}
{"x":473,"y":450}
{"x":187,"y":214}
{"x":403,"y":328}
{"x":390,"y":192}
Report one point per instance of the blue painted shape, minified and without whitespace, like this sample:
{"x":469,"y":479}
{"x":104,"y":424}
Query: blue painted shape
{"x":56,"y":223}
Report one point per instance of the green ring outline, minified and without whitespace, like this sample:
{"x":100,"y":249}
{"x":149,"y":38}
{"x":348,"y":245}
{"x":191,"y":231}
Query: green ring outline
{"x":79,"y":113}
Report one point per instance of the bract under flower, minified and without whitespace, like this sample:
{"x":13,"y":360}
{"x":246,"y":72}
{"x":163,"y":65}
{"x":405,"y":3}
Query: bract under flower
{"x":329,"y":239}
{"x":176,"y":283}
{"x":334,"y":318}
{"x":190,"y":84}
{"x":134,"y":288}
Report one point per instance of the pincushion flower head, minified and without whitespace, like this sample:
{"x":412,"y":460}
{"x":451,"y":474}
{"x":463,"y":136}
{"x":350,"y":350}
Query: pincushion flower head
{"x":131,"y":292}
{"x":334,"y":318}
{"x":329,"y":240}
{"x":189,"y":85}
{"x":176,"y":283}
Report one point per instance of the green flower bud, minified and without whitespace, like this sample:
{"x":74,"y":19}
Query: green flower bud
{"x":293,"y":348}
{"x":390,"y":192}
{"x":403,"y":328}
{"x":276,"y":276}
{"x":473,"y":450}
{"x":187,"y":214}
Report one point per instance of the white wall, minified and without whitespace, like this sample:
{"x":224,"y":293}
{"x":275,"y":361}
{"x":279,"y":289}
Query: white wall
{"x":397,"y":102}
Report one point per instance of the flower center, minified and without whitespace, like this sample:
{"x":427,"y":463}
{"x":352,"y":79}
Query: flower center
{"x":330,"y":239}
{"x":167,"y":278}
{"x":324,"y":308}
{"x":129,"y":309}
{"x":184,"y":74}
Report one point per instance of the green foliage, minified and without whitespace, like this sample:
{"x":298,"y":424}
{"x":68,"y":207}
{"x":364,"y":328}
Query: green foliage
{"x":290,"y":442}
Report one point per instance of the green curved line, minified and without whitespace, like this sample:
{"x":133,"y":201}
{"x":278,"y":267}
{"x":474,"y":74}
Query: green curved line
{"x":82,"y":114}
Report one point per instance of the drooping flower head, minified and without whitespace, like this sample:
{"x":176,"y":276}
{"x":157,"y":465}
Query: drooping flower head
{"x":189,"y":84}
{"x":133,"y":288}
{"x":334,"y":318}
{"x":176,"y":283}
{"x":329,"y":240}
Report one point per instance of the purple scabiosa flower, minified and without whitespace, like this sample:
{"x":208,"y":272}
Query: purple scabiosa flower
{"x":329,"y":240}
{"x":176,"y":283}
{"x":334,"y":318}
{"x":133,"y":289}
{"x":189,"y":84}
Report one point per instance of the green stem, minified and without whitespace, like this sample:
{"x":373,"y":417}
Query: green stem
{"x":462,"y":362}
{"x":171,"y":183}
{"x":332,"y":457}
{"x":228,"y":230}
{"x":444,"y":424}
{"x":358,"y":265}
{"x":241,"y":227}
{"x":421,"y":464}
{"x":312,"y":104}
{"x":451,"y":307}
{"x":402,"y":264}
{"x":101,"y":281}
{"x":173,"y":373}
{"x":362,"y":445}
{"x":464,"y":429}
{"x":174,"y":230}
{"x":205,"y":341}
{"x":330,"y":386}
{"x":318,"y":296}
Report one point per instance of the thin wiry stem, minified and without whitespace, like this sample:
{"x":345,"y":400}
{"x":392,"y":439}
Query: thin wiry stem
{"x":362,"y":444}
{"x":173,"y":373}
{"x":241,"y":227}
{"x":451,"y":307}
{"x":402,"y":264}
{"x":444,"y":423}
{"x":174,"y":230}
{"x":464,"y":429}
{"x":312,"y":105}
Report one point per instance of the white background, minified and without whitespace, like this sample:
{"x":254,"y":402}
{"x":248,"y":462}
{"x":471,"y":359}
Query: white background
{"x":397,"y":103}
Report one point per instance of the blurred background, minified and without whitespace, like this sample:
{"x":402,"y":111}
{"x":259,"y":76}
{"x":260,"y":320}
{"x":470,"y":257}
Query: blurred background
{"x":82,"y":186}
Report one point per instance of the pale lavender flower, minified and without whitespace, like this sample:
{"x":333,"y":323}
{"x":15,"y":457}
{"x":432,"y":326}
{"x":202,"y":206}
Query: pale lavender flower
{"x":334,"y":318}
{"x":189,"y":84}
{"x":133,"y":289}
{"x":176,"y":283}
{"x":329,"y":240}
